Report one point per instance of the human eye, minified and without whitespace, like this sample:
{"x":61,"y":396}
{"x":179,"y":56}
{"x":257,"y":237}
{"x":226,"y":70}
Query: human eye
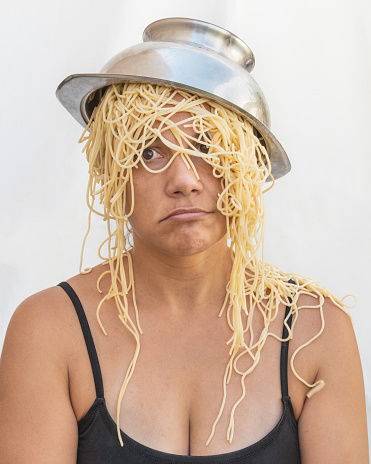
{"x":150,"y":154}
{"x":203,"y":148}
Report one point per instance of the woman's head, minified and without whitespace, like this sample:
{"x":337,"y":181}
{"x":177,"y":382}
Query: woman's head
{"x":132,"y":117}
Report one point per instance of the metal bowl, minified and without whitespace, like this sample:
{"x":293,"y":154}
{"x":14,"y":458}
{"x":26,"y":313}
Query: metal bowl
{"x":189,"y":54}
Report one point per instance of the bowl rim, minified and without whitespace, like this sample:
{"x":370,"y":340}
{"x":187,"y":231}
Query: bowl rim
{"x":82,"y":86}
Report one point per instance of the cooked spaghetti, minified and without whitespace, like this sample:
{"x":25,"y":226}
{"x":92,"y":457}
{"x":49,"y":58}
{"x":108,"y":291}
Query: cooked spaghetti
{"x":129,"y":118}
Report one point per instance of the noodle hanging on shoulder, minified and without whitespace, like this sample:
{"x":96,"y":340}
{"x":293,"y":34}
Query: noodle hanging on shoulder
{"x":129,"y":118}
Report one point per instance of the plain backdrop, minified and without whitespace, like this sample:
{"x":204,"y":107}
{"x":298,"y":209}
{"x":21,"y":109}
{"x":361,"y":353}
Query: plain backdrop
{"x":313,"y":62}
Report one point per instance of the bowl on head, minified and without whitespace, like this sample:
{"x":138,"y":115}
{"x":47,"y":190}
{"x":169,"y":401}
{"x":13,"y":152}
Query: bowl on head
{"x":188,"y":54}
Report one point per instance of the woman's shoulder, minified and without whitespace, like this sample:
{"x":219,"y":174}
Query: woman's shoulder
{"x":322,"y":314}
{"x":321,"y":328}
{"x":37,"y":328}
{"x":38,"y":313}
{"x":47,"y":317}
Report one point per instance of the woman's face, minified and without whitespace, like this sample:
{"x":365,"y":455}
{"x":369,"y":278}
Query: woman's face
{"x":174,"y":212}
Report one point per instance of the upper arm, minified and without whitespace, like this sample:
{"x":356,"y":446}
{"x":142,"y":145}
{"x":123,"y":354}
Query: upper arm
{"x":37,"y":422}
{"x":332,"y":425}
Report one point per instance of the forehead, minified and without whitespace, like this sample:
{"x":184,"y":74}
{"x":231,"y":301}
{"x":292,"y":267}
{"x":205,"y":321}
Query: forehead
{"x":178,"y":97}
{"x":173,"y":101}
{"x":181,"y":111}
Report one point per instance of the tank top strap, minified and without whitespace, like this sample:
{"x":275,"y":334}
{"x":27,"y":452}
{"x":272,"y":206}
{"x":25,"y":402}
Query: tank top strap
{"x":98,"y":381}
{"x":285,"y":350}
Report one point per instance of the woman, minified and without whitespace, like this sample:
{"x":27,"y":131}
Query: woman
{"x":187,"y":334}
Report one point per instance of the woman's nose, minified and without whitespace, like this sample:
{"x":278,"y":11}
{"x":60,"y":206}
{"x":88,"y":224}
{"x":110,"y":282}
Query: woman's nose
{"x":181,"y":178}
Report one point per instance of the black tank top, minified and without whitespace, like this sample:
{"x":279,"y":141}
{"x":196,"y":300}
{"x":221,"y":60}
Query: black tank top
{"x":98,"y":442}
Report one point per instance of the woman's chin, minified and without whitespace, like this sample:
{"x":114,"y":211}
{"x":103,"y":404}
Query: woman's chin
{"x":183,"y":245}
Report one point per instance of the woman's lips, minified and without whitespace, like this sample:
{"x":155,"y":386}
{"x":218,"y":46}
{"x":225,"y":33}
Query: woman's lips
{"x":185,"y":215}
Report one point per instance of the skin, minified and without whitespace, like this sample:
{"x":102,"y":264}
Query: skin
{"x":181,"y":265}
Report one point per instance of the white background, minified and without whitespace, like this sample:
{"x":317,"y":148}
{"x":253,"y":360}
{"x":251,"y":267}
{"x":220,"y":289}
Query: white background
{"x":313,"y":62}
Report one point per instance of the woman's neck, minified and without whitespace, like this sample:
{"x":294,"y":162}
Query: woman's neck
{"x":179,"y":283}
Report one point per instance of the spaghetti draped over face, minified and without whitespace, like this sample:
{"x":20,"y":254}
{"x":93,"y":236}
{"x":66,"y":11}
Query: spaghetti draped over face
{"x":129,"y":117}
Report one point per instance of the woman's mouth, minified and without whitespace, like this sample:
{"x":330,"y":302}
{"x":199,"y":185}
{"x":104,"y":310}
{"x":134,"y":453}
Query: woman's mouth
{"x":185,"y":215}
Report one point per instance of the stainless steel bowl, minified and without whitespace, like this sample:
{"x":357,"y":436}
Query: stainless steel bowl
{"x":189,"y":54}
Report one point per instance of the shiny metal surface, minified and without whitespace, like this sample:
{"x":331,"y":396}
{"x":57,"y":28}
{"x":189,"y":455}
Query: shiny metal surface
{"x":189,"y":54}
{"x":203,"y":34}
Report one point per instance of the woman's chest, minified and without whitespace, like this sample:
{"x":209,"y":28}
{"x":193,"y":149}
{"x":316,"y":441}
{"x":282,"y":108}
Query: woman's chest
{"x":181,"y":383}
